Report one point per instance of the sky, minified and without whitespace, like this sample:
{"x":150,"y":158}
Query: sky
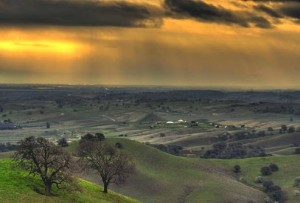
{"x":252,"y":44}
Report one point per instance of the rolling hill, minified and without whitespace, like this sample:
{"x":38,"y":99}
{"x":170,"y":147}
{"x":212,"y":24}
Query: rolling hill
{"x":162,"y":177}
{"x":17,"y":186}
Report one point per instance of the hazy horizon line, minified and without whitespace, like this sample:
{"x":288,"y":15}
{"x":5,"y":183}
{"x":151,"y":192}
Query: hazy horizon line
{"x":188,"y":87}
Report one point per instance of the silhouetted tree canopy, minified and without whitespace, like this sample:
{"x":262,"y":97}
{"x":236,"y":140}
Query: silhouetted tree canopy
{"x":50,"y":162}
{"x":90,"y":137}
{"x":112,"y":165}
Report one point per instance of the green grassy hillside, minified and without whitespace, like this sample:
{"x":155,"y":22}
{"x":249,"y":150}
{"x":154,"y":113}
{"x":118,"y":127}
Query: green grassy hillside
{"x":16,"y":186}
{"x":161,"y":177}
{"x":288,"y":171}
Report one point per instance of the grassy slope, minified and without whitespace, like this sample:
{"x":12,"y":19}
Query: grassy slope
{"x":161,"y":177}
{"x":16,"y":186}
{"x":288,"y":171}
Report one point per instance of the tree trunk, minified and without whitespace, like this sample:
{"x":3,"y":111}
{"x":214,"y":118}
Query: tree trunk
{"x":48,"y":189}
{"x":105,"y":187}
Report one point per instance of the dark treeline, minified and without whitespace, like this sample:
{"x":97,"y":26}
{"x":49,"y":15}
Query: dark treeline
{"x":6,"y":147}
{"x":224,"y":150}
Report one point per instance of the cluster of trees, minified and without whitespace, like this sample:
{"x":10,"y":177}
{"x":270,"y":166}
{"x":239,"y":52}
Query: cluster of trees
{"x":286,"y":129}
{"x":274,"y":191}
{"x":248,"y":135}
{"x":55,"y":165}
{"x":242,"y":135}
{"x":223,"y":150}
{"x":171,"y":149}
{"x":5,"y":147}
{"x":7,"y":124}
{"x":278,"y":109}
{"x":90,"y":137}
{"x":268,"y":170}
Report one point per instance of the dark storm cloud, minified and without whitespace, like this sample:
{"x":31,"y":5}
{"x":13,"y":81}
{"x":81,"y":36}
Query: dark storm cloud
{"x":73,"y":13}
{"x":291,"y":9}
{"x":260,"y":22}
{"x":207,"y":12}
{"x":203,"y":11}
{"x":282,"y":8}
{"x":268,"y":10}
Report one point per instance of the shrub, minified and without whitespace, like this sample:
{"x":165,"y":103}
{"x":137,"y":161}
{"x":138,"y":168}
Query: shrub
{"x":237,"y":169}
{"x":291,"y":129}
{"x":297,"y":182}
{"x":267,"y":184}
{"x":162,"y":135}
{"x":100,"y":136}
{"x":62,"y":142}
{"x":297,"y":193}
{"x":297,"y":150}
{"x":119,"y":145}
{"x":266,"y":170}
{"x":274,"y":191}
{"x":284,"y":128}
{"x":279,"y":196}
{"x":259,"y":179}
{"x":273,"y":167}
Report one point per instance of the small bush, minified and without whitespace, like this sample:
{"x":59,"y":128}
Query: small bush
{"x":267,"y":184}
{"x":62,"y":142}
{"x":297,"y":182}
{"x":297,"y":150}
{"x":273,"y":167}
{"x":119,"y":145}
{"x":291,"y":129}
{"x":259,"y":179}
{"x":162,"y":135}
{"x":266,"y":170}
{"x":237,"y":169}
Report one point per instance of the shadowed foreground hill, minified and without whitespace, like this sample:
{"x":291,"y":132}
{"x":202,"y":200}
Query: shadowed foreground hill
{"x":16,"y":186}
{"x":161,"y":177}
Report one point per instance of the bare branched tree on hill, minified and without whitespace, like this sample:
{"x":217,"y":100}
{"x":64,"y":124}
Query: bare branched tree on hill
{"x":113,"y":165}
{"x":51,"y":163}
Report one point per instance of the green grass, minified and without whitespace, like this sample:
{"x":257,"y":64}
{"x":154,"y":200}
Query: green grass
{"x":17,"y":186}
{"x":288,"y":171}
{"x":162,"y":177}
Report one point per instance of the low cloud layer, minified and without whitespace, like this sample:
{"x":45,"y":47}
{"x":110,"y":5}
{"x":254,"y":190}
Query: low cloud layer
{"x":140,"y":14}
{"x":207,"y":12}
{"x":73,"y":13}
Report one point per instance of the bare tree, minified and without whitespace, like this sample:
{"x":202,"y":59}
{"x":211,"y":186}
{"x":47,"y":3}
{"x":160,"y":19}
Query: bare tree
{"x":113,"y":165}
{"x":43,"y":158}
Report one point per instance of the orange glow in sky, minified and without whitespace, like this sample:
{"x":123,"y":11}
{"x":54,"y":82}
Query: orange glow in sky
{"x":40,"y":46}
{"x":183,"y":48}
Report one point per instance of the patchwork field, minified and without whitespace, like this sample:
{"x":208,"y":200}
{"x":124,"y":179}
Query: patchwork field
{"x":185,"y":123}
